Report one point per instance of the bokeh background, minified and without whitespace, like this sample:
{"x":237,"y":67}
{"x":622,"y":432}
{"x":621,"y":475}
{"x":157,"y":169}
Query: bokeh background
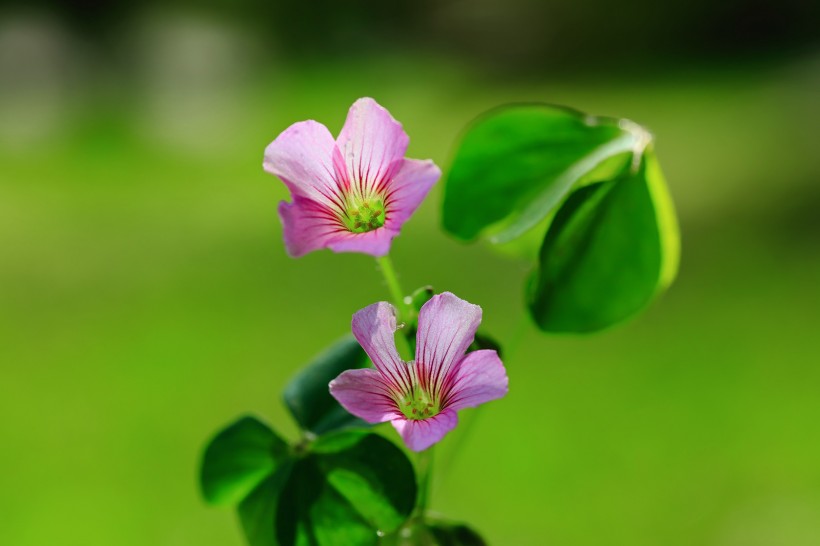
{"x":146,"y":298}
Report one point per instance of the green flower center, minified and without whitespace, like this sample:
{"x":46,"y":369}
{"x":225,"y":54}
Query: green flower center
{"x":363,"y":214}
{"x":418,"y":405}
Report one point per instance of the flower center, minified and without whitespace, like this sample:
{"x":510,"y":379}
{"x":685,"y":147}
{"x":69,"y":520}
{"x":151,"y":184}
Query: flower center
{"x":363,"y":214}
{"x":418,"y":404}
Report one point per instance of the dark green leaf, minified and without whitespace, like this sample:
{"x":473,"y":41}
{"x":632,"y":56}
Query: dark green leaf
{"x":374,"y":476}
{"x":257,"y":513}
{"x":434,"y":532}
{"x":307,"y":394}
{"x":516,"y":163}
{"x":348,"y":486}
{"x":455,"y":535}
{"x":238,"y":459}
{"x":610,"y":248}
{"x":420,"y":296}
{"x":483,"y":341}
{"x":314,"y":513}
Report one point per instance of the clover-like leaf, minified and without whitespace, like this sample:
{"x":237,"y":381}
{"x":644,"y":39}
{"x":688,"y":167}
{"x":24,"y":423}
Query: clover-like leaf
{"x":516,"y":163}
{"x":238,"y":458}
{"x":345,"y":489}
{"x":609,"y":250}
{"x":307,"y":394}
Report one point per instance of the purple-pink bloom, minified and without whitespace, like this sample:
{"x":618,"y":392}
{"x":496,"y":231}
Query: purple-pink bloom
{"x":352,"y":194}
{"x":421,"y":397}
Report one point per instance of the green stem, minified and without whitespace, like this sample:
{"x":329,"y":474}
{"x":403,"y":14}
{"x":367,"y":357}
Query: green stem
{"x":396,"y":292}
{"x":424,"y":471}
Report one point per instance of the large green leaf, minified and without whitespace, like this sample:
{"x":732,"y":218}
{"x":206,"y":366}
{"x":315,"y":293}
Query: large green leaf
{"x":610,"y":248}
{"x":307,"y":394}
{"x":344,"y":489}
{"x":516,"y":163}
{"x":238,"y":458}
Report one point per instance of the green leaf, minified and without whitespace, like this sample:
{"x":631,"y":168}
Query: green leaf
{"x":374,"y":476}
{"x":434,"y":532}
{"x":257,"y":512}
{"x":455,"y":535}
{"x":238,"y":459}
{"x":610,"y":249}
{"x":516,"y":163}
{"x":348,"y":486}
{"x":307,"y":394}
{"x":484,"y":341}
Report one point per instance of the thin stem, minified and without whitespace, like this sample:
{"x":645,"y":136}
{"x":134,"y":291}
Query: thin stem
{"x":424,"y":471}
{"x":396,"y":292}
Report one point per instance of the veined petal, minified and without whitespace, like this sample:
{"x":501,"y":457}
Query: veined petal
{"x":307,"y":226}
{"x":447,"y":326}
{"x":376,"y":242}
{"x":369,"y":142}
{"x":478,"y":378}
{"x":408,"y":187}
{"x":302,"y":156}
{"x":419,"y":434}
{"x":374,"y":327}
{"x":365,"y":394}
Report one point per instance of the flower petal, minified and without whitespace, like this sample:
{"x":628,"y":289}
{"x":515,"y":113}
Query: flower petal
{"x":478,"y":378}
{"x":376,"y":242}
{"x":419,"y":434}
{"x":408,"y":188}
{"x":370,"y":141}
{"x":307,"y":226}
{"x":302,"y":156}
{"x":447,"y":325}
{"x":365,"y":394}
{"x":374,"y":327}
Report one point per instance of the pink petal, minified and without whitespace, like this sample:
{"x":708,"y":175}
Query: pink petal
{"x":408,"y":188}
{"x":374,"y":327}
{"x":365,"y":394}
{"x":307,"y":226}
{"x":376,"y":242}
{"x":447,"y":325}
{"x":370,"y":141}
{"x":479,"y":378}
{"x":302,"y":156}
{"x":419,"y":434}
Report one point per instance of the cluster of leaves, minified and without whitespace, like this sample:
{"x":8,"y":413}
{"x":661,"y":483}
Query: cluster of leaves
{"x":586,"y":193}
{"x":340,"y":484}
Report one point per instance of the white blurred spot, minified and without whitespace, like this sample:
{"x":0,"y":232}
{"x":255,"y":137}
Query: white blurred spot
{"x":190,"y":74}
{"x":36,"y":62}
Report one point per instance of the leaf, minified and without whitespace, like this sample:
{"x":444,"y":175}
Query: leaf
{"x":238,"y":459}
{"x":484,"y":341}
{"x":374,"y":476}
{"x":348,"y":486}
{"x":257,"y":512}
{"x":516,"y":163}
{"x":307,"y":395}
{"x":610,"y":249}
{"x":455,"y":535}
{"x":434,"y":532}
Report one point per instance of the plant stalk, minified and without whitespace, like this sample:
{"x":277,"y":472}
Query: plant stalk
{"x":393,"y":285}
{"x":424,"y":471}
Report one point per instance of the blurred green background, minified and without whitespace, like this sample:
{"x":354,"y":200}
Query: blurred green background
{"x":146,"y":298}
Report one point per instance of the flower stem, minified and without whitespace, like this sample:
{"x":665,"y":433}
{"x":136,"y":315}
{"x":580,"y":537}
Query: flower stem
{"x":424,"y":471}
{"x":396,"y":292}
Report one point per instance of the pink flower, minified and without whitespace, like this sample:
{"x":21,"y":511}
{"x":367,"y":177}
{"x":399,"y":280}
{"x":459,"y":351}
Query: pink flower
{"x":421,"y":398}
{"x":352,"y":194}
